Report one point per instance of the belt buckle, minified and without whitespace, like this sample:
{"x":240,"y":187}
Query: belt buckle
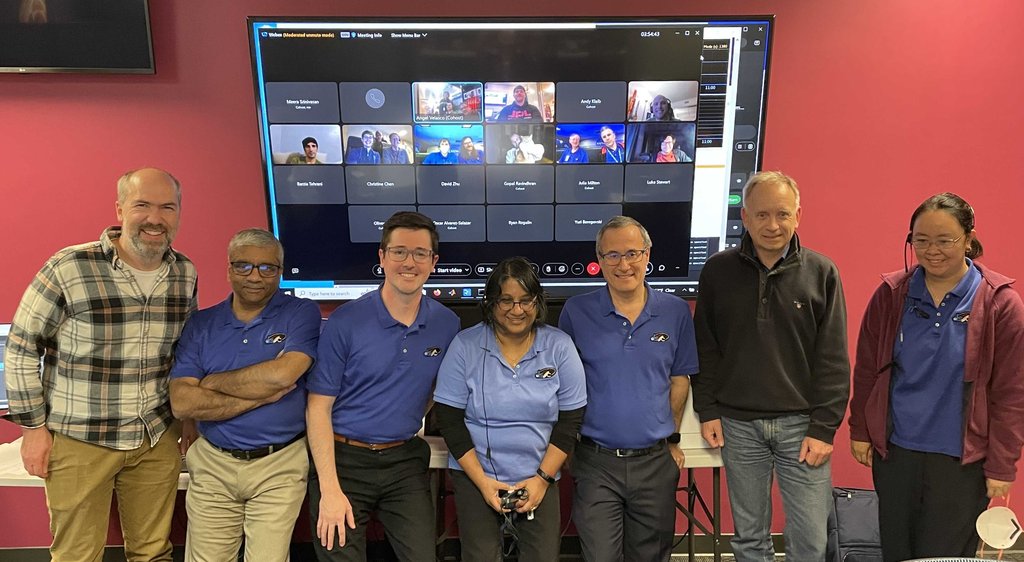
{"x":621,"y":453}
{"x":375,"y":447}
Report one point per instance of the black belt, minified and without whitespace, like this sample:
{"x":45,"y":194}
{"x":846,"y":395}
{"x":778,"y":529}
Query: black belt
{"x":253,"y":454}
{"x":621,"y":453}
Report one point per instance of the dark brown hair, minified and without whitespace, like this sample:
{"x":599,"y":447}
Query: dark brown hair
{"x":408,"y":219}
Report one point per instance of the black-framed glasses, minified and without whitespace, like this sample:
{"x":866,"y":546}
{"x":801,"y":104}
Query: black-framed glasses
{"x":631,"y":256}
{"x":941,"y":243}
{"x":244,"y":268}
{"x":506,"y":304}
{"x":400,"y":253}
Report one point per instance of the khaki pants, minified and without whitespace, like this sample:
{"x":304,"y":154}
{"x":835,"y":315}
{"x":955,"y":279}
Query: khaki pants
{"x":82,"y":479}
{"x":228,"y":497}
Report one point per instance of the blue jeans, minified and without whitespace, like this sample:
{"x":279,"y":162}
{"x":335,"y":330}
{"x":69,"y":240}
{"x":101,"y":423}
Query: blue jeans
{"x":753,"y":449}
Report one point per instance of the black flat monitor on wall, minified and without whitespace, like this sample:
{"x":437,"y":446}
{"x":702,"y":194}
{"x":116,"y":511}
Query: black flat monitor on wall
{"x":517,"y":137}
{"x":83,"y":36}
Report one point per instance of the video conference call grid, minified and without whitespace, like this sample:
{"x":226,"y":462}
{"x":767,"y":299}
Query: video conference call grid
{"x":397,"y":108}
{"x":463,"y":189}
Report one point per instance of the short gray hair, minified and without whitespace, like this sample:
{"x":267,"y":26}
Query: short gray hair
{"x":770,"y":178}
{"x":259,"y":237}
{"x":622,"y":222}
{"x":125,"y":182}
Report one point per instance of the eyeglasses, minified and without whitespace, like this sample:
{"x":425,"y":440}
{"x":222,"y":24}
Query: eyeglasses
{"x":941,"y":243}
{"x":506,"y":304}
{"x":244,"y":268}
{"x":631,"y":256}
{"x":419,"y":255}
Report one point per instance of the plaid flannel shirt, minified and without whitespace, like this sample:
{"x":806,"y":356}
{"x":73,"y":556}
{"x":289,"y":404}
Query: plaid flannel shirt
{"x":106,"y":348}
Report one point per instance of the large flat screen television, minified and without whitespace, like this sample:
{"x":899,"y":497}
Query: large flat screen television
{"x":89,"y":36}
{"x":550,"y":128}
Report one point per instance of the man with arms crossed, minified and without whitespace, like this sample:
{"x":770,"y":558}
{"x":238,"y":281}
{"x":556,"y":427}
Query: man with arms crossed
{"x":775,"y":374}
{"x":637,"y":346}
{"x":95,"y":418}
{"x":377,"y":363}
{"x":238,"y":371}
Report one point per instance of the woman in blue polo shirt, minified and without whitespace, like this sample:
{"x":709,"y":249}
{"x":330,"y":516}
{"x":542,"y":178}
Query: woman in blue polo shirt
{"x":938,"y":388}
{"x":510,"y":398}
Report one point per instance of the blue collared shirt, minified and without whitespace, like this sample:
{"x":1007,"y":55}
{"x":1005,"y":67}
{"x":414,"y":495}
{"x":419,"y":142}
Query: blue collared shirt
{"x":629,"y":366}
{"x":215,"y":341}
{"x":381,"y":371}
{"x":928,"y":381}
{"x":511,"y":410}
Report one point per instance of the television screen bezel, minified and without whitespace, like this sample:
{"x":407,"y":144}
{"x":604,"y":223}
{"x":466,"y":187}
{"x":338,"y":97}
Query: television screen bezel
{"x":252,"y":21}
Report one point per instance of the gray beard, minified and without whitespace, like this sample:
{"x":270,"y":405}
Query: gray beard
{"x":145,"y":251}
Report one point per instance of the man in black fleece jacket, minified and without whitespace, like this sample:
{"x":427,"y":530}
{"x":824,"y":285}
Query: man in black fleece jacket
{"x":774,"y":371}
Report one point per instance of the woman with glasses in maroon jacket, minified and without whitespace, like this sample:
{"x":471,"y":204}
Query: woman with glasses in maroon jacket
{"x":938,"y":388}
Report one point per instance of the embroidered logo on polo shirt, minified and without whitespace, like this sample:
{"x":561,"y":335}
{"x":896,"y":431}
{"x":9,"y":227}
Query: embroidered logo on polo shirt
{"x":275,"y":338}
{"x":545,"y":373}
{"x":659,"y":337}
{"x":432,"y":352}
{"x":961,"y":317}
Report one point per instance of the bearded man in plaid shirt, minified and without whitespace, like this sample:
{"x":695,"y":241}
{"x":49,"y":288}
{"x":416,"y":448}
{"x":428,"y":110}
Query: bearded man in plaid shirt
{"x":103,"y":318}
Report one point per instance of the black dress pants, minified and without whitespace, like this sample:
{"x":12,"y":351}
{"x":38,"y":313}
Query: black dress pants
{"x":927,"y":504}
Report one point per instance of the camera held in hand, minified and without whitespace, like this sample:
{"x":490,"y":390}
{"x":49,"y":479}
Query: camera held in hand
{"x":509,"y":498}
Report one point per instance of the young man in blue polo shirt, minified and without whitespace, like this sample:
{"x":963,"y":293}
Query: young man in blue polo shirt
{"x":238,"y":371}
{"x":638,"y":349}
{"x":368,"y":393}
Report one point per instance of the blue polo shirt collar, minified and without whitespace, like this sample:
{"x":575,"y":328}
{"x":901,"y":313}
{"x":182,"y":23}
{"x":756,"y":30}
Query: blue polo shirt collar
{"x":489,"y":343}
{"x":387,"y":321}
{"x":609,"y":307}
{"x":226,"y":316}
{"x":919,"y":291}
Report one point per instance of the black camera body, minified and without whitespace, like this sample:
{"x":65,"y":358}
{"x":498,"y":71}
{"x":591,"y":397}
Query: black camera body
{"x":509,"y":498}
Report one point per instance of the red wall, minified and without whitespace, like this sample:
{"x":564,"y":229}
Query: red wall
{"x":874,"y":105}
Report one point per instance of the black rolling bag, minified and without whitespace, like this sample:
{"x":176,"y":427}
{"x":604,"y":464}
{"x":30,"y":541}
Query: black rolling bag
{"x":853,"y":527}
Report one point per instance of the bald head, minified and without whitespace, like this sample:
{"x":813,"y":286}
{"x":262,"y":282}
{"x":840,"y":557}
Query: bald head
{"x":133,"y":179}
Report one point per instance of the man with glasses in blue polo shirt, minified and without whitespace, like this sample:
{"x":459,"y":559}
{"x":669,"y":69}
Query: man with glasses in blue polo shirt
{"x":377,"y":363}
{"x":638,"y":350}
{"x":238,"y":371}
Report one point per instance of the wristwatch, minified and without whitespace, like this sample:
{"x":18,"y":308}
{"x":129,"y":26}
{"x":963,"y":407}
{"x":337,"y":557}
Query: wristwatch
{"x":675,"y":438}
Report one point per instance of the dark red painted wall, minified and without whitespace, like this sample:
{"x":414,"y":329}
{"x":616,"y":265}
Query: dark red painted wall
{"x":874,"y":105}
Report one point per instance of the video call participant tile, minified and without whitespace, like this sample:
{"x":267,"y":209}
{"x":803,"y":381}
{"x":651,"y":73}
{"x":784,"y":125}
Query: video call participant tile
{"x":590,"y":102}
{"x":375,"y":102}
{"x":601,"y":183}
{"x":520,"y":184}
{"x":658,"y":183}
{"x":580,"y":223}
{"x":448,"y":102}
{"x":290,"y":144}
{"x":449,"y":184}
{"x":309,"y":184}
{"x":379,"y":185}
{"x":520,"y":223}
{"x":365,"y":223}
{"x":662,"y":100}
{"x":302,"y":102}
{"x":458,"y":223}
